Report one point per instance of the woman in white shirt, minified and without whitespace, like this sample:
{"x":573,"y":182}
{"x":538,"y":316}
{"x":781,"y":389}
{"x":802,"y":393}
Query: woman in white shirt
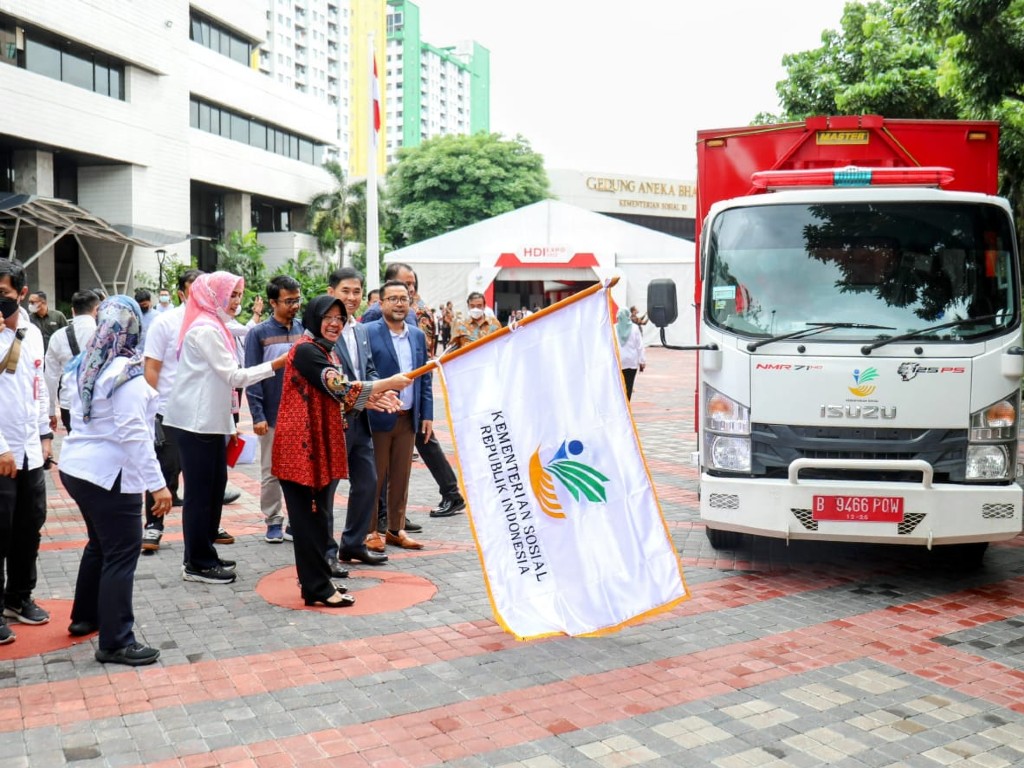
{"x":631,"y":349}
{"x":107,"y":462}
{"x":199,"y":409}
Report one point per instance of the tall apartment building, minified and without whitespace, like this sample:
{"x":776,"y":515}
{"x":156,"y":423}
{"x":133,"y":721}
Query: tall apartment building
{"x":431,"y":91}
{"x":154,"y":117}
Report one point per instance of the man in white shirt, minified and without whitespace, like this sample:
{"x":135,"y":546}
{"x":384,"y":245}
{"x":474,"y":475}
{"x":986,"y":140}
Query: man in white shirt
{"x":65,"y":344}
{"x":25,"y":440}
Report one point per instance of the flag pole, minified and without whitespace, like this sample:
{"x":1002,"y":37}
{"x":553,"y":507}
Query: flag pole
{"x":588,"y":291}
{"x":372,"y":221}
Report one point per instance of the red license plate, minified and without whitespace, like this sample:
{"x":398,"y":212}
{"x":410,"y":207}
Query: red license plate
{"x":873,"y":509}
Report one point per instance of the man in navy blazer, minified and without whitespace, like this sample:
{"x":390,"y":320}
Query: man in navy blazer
{"x":398,"y":347}
{"x":353,"y":347}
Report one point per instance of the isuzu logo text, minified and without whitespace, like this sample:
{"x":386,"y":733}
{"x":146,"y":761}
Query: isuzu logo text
{"x":858,"y":411}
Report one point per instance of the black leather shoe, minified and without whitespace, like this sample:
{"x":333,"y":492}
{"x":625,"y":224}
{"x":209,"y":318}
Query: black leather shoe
{"x":363,"y":555}
{"x":337,"y":572}
{"x":82,"y":628}
{"x":448,"y":507}
{"x":412,"y":527}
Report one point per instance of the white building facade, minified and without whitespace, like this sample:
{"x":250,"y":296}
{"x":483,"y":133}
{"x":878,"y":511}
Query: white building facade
{"x":156,"y":118}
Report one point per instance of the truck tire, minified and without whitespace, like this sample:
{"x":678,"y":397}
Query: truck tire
{"x":961,"y":557}
{"x":723,"y":539}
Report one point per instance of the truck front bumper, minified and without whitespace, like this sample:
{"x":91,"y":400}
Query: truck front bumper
{"x":932,"y":514}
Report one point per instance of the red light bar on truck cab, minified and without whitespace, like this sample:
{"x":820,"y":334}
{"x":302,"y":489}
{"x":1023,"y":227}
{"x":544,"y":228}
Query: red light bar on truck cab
{"x":853,"y":176}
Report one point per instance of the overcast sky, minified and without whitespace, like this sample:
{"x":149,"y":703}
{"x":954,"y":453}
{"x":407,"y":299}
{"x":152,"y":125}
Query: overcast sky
{"x":624,"y":87}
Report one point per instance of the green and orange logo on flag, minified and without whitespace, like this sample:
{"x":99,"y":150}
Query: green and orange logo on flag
{"x":579,"y":479}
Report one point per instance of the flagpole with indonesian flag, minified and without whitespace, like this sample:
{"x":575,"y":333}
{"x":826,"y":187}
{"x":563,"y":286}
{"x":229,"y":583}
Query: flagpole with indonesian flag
{"x":562,"y":507}
{"x":372,"y":221}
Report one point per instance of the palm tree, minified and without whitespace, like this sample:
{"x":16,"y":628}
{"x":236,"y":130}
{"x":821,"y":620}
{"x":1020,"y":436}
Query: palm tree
{"x":328,"y":212}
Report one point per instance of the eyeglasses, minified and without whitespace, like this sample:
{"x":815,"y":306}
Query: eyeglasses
{"x":333,"y":319}
{"x":397,"y":299}
{"x":290,"y":302}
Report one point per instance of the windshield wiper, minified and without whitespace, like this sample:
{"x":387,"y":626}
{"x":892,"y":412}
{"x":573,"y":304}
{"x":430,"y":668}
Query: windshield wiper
{"x":866,"y":349}
{"x":815,"y":329}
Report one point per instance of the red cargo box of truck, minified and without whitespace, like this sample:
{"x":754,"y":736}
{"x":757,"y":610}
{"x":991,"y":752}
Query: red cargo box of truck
{"x":727,"y":158}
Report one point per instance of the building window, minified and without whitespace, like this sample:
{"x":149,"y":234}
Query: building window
{"x":63,"y":60}
{"x":220,"y":39}
{"x":232,"y":125}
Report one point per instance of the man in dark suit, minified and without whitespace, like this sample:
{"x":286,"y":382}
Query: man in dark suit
{"x":353,"y":347}
{"x":398,"y":347}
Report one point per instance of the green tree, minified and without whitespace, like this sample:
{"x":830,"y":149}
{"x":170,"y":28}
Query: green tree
{"x":921,"y":59}
{"x":242,"y":255}
{"x":328,"y":212}
{"x":311,"y":272}
{"x":453,"y":181}
{"x":880,"y":62}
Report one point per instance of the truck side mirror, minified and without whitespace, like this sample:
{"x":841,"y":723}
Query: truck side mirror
{"x":661,"y":302}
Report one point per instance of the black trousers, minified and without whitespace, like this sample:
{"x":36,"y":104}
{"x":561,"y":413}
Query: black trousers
{"x":308,"y":516}
{"x":362,"y":487}
{"x":22,"y":516}
{"x":433,"y":456}
{"x":205,"y":468}
{"x":106,"y":573}
{"x":170,"y":467}
{"x":629,"y":375}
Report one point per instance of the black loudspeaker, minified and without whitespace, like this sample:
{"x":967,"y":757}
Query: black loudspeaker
{"x":661,"y":302}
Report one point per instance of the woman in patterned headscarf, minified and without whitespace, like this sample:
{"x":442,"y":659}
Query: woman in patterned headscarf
{"x":107,"y":462}
{"x":199,"y":408}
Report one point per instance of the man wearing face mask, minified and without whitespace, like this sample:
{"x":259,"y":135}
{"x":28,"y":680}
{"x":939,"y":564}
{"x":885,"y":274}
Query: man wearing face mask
{"x":25,"y":439}
{"x":47,"y":320}
{"x":163,"y":301}
{"x":477,"y":325}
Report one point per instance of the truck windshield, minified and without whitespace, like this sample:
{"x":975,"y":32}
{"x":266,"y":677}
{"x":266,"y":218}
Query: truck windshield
{"x":775,"y":269}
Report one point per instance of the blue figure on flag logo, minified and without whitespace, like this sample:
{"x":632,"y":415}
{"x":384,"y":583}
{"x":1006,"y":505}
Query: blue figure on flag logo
{"x":581,"y":480}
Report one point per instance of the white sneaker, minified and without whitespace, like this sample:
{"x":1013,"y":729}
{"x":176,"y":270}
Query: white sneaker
{"x":151,"y":539}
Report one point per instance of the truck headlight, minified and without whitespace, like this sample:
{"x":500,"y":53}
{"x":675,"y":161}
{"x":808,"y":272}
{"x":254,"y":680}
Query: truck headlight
{"x":996,"y":422}
{"x":725,"y":415}
{"x":729,"y":453}
{"x":988,"y":462}
{"x":992,"y":441}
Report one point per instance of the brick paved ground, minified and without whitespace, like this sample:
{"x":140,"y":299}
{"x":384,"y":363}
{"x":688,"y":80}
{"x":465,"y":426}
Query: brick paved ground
{"x":800,"y":656}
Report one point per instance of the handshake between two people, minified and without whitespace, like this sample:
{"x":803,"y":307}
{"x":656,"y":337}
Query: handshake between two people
{"x":384,"y":396}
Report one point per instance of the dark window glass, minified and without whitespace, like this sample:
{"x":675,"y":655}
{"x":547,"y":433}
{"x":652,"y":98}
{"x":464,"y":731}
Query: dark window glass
{"x":117,"y":82}
{"x":239,"y":129}
{"x":305,"y":151}
{"x":258,"y":135}
{"x":76,"y":70}
{"x":214,"y":38}
{"x":240,"y":51}
{"x":225,"y":124}
{"x":197,"y":31}
{"x":193,"y":113}
{"x":8,"y":45}
{"x":42,"y":58}
{"x":225,"y":43}
{"x":205,"y":117}
{"x":102,"y":72}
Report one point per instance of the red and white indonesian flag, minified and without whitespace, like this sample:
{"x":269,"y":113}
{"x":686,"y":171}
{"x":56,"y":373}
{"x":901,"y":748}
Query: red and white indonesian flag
{"x":568,"y":527}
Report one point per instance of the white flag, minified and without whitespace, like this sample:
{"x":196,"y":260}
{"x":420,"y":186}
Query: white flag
{"x":561,"y":504}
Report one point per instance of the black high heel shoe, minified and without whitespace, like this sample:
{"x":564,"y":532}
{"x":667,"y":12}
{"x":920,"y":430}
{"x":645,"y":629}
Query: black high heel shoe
{"x":343,"y":602}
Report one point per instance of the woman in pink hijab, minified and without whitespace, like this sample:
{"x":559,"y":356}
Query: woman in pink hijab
{"x":199,"y":408}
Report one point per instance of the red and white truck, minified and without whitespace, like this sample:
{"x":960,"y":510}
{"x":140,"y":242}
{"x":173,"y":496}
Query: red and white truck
{"x":859,"y":319}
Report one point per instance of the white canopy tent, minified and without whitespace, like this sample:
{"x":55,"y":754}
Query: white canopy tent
{"x":551,"y":241}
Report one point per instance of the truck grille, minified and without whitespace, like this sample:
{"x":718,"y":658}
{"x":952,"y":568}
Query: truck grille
{"x":775,"y":446}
